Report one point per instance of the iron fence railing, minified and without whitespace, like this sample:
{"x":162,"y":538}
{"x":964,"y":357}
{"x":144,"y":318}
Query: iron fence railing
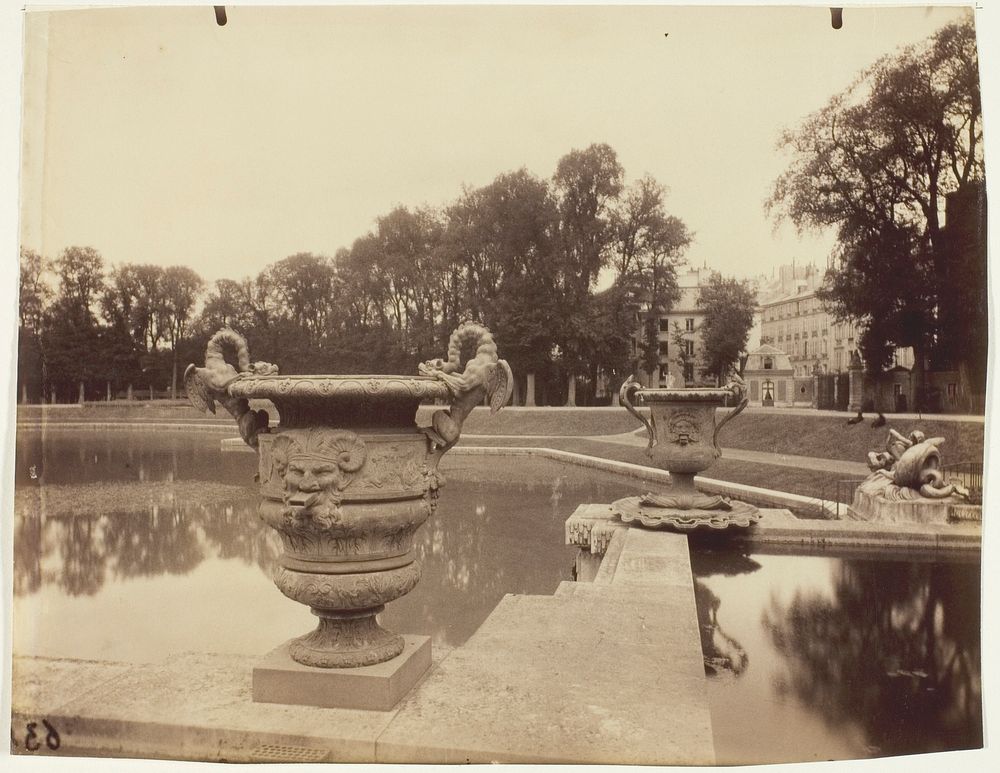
{"x":969,"y":474}
{"x":844,"y":494}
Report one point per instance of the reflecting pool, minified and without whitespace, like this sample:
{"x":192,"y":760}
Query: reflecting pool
{"x":133,"y":545}
{"x":819,"y":658}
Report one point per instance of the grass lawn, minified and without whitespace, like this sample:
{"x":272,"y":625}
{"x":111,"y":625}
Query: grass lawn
{"x":818,"y":435}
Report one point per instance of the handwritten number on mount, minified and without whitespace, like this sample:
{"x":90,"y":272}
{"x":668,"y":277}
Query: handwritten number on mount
{"x":32,"y":741}
{"x":52,"y":736}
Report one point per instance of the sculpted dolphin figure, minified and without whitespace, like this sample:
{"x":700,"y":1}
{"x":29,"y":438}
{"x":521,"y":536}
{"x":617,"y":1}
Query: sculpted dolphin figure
{"x":209,"y":385}
{"x":485,"y":377}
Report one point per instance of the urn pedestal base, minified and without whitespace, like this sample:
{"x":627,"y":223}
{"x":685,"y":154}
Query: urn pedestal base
{"x":279,"y":679}
{"x":684,"y":508}
{"x":632,"y":510}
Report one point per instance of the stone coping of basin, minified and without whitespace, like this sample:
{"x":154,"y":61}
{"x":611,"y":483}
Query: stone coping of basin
{"x":592,"y":528}
{"x":578,"y":676}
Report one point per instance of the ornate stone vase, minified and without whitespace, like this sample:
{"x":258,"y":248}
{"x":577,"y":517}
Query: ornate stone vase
{"x":684,"y":440}
{"x":347,"y":478}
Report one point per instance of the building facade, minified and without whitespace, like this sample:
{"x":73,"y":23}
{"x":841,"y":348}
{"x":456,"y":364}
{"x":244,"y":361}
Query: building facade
{"x":769,"y":377}
{"x":684,"y":317}
{"x":800,"y":327}
{"x":811,"y":336}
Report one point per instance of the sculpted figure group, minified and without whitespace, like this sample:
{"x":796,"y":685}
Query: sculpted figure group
{"x":914,"y":464}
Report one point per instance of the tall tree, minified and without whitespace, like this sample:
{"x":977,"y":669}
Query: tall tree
{"x":148,"y":308}
{"x":729,"y":307}
{"x":587,"y":183}
{"x":877,"y":163}
{"x":70,"y":330}
{"x":648,"y":246}
{"x":501,"y":239}
{"x":181,"y":286}
{"x":35,"y":291}
{"x":34,"y":296}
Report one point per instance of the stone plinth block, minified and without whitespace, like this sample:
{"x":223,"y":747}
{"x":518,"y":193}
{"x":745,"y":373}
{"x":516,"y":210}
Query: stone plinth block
{"x":279,"y":679}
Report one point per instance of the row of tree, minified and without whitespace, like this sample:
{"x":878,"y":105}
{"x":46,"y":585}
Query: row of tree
{"x":879,"y":163}
{"x":521,"y":254}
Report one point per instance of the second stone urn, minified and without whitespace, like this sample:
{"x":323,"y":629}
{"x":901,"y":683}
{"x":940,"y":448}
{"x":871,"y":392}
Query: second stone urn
{"x":684,"y":440}
{"x":347,"y":478}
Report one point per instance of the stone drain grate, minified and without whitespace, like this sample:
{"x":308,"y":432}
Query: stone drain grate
{"x":276,"y":753}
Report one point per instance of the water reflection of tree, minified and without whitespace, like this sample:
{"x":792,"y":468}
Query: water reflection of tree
{"x":474,"y":550}
{"x":84,"y":559}
{"x":28,"y":551}
{"x":234,"y":531}
{"x":896,"y":648}
{"x":722,"y":653}
{"x":169,"y":538}
{"x":159,"y":541}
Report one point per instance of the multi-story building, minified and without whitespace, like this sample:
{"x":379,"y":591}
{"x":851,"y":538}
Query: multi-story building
{"x":799,"y":326}
{"x":685,"y":318}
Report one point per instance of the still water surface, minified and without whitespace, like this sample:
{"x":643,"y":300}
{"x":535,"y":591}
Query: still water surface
{"x":133,"y":546}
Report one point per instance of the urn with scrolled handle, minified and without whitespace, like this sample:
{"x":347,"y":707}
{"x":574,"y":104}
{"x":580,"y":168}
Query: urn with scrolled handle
{"x":347,"y":477}
{"x":684,"y":440}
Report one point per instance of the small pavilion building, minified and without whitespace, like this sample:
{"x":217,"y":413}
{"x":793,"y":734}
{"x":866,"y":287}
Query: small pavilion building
{"x":770,"y":377}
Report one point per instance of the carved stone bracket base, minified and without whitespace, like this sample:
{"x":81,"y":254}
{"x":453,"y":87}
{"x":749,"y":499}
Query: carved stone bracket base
{"x":636,"y":510}
{"x":346,"y":640}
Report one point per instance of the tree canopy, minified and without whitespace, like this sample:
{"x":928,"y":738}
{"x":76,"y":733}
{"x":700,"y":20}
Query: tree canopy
{"x":522,"y":254}
{"x":878,"y":163}
{"x":729,"y":307}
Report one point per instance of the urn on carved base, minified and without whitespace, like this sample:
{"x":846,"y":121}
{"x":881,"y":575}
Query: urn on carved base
{"x":347,"y":478}
{"x":683,"y":439}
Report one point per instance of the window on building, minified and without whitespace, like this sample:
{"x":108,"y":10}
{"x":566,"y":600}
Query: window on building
{"x":664,"y":325}
{"x":689,"y":372}
{"x":768,"y":363}
{"x":664,"y":348}
{"x":689,"y":348}
{"x":689,"y":324}
{"x":805,"y":348}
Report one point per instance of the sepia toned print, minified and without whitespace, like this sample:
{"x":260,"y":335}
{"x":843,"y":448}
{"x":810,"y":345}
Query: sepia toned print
{"x":519,"y":384}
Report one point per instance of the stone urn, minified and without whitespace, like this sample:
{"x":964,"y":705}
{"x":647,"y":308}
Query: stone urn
{"x":347,"y":478}
{"x":684,"y":440}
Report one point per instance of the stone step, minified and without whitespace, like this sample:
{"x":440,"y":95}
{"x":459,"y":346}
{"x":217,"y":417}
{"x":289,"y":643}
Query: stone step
{"x":597,"y":673}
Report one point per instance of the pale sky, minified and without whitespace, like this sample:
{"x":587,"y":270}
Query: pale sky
{"x":155,"y":135}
